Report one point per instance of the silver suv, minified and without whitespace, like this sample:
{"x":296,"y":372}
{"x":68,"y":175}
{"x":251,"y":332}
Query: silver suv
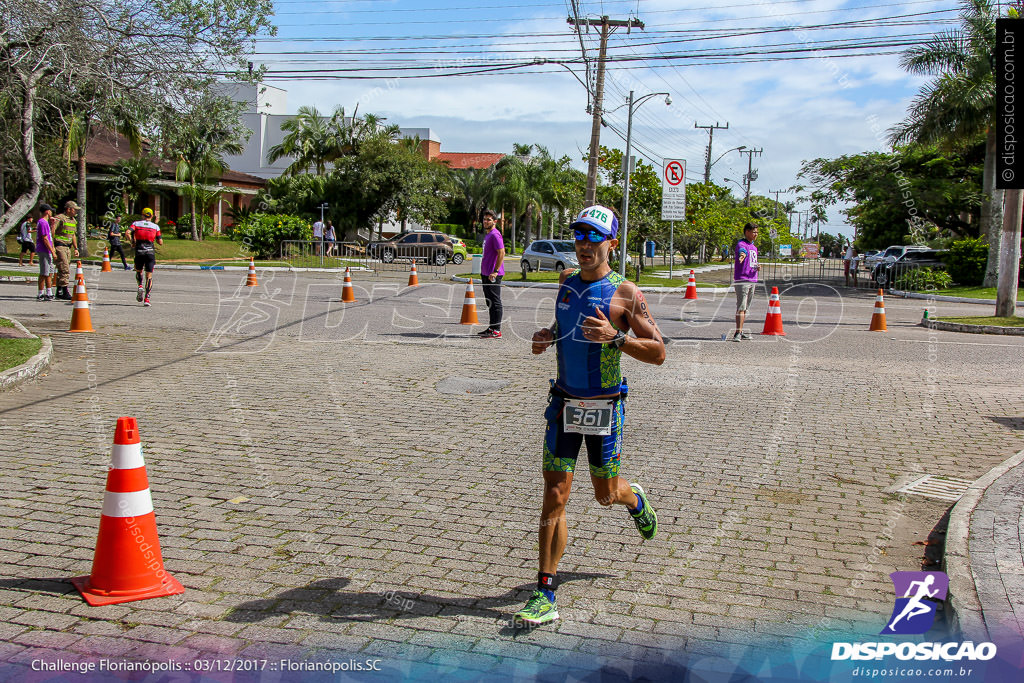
{"x":891,"y":254}
{"x":556,"y":255}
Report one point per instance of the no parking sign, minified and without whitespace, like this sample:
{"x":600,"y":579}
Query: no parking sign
{"x":673,"y":190}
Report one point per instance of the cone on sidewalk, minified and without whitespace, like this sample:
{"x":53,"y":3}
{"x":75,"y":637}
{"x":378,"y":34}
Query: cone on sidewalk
{"x":348,"y":295}
{"x":250,"y":280}
{"x":691,"y":287}
{"x":773,"y":321}
{"x":413,"y":280}
{"x":469,"y":306}
{"x":81,"y":319}
{"x":127,"y":564}
{"x":878,"y":317}
{"x":106,"y":262}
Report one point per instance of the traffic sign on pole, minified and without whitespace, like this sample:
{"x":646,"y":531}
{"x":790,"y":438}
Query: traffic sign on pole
{"x":673,"y":190}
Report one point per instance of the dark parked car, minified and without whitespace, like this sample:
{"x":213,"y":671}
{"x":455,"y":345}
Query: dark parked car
{"x":886,"y":272}
{"x":432,"y":247}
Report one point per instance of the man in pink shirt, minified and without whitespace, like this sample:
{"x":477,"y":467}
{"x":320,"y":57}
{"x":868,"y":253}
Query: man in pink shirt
{"x":492,"y":269}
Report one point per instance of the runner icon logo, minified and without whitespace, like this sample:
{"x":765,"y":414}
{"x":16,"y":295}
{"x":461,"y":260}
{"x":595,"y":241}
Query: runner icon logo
{"x":916,"y":593}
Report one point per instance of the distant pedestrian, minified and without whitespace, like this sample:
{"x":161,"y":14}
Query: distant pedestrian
{"x":114,"y":237}
{"x":47,"y":252}
{"x":318,"y":237}
{"x":492,"y":269}
{"x":65,"y":239}
{"x":745,"y":277}
{"x":26,"y":241}
{"x":329,"y":237}
{"x":850,"y":262}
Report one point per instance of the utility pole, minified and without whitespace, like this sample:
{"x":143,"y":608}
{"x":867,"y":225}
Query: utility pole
{"x":711,"y":134}
{"x":776,"y":193}
{"x":606,"y":25}
{"x":750,"y":171}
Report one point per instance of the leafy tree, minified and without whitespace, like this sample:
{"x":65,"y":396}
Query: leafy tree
{"x":148,"y":52}
{"x":957,"y":107}
{"x":472,"y":188}
{"x":910,"y":195}
{"x":136,"y":178}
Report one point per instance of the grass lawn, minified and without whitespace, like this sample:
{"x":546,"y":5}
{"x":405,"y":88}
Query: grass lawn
{"x":1015,"y":321}
{"x":20,"y":273}
{"x":974,"y":292}
{"x":645,"y":280}
{"x":214,"y":247}
{"x":14,"y":352}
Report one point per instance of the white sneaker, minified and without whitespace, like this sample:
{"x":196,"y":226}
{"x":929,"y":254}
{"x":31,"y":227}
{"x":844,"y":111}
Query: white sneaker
{"x":138,"y":297}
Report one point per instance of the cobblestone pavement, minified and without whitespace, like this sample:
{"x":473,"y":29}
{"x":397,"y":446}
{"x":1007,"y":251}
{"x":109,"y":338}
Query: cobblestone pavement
{"x":315,"y":491}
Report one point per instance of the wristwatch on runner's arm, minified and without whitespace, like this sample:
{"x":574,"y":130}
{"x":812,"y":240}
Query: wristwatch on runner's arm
{"x":619,"y":340}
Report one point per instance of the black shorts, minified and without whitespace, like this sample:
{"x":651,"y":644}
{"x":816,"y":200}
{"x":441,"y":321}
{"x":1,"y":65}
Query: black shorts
{"x":145,"y":262}
{"x":30,"y":247}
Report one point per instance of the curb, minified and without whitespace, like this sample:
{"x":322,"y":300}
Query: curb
{"x":971,"y":329}
{"x":30,"y":368}
{"x":554,"y":285}
{"x":965,"y":608}
{"x":947,"y":299}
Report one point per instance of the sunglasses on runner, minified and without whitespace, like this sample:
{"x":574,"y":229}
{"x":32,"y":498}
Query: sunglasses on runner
{"x":592,"y":236}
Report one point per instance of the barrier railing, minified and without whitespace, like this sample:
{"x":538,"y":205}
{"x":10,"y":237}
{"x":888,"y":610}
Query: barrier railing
{"x":379,"y":257}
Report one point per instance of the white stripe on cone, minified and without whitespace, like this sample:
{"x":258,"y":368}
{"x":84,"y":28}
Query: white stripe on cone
{"x":128,"y":504}
{"x":126,"y":456}
{"x":81,"y":304}
{"x":879,"y":311}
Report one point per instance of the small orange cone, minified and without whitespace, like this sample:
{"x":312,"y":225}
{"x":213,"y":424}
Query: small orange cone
{"x":81,"y":319}
{"x":773,"y":322}
{"x":469,"y":306}
{"x":413,"y":280}
{"x":79,"y":273}
{"x":347,"y":293}
{"x":127,"y":565}
{"x":106,"y":262}
{"x":878,"y":317}
{"x":691,"y":288}
{"x":250,"y":281}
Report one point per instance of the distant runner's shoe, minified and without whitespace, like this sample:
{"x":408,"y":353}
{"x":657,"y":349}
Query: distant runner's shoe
{"x":491,"y":334}
{"x":538,"y":610}
{"x":745,"y":335}
{"x":736,"y":337}
{"x":647,"y":520}
{"x":146,"y":302}
{"x":141,"y":293}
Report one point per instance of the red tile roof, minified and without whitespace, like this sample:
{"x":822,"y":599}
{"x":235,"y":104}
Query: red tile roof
{"x":470,"y":159}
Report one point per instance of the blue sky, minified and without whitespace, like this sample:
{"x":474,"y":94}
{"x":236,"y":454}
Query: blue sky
{"x":823,"y":105}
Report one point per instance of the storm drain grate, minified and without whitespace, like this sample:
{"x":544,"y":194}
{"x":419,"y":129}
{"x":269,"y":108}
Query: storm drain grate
{"x":943,"y":488}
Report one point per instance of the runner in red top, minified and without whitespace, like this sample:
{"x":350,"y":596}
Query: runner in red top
{"x":143,"y":234}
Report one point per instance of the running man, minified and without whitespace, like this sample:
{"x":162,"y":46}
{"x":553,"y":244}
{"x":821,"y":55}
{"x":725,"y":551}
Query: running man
{"x":595,"y":310}
{"x":114,"y":238}
{"x":915,"y":607}
{"x":143,"y":234}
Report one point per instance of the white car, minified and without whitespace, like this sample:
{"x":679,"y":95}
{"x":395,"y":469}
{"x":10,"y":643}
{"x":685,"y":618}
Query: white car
{"x":891,"y":254}
{"x":556,"y":255}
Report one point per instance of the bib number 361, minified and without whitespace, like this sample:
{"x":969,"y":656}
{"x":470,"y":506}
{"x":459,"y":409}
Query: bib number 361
{"x":588,"y":417}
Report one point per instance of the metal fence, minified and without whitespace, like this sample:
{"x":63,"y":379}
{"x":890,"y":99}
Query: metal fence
{"x":833,"y":272}
{"x":314,"y":254}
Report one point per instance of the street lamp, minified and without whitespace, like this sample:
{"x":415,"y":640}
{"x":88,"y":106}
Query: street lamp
{"x":738,"y":184}
{"x":633,"y":105}
{"x":740,"y":148}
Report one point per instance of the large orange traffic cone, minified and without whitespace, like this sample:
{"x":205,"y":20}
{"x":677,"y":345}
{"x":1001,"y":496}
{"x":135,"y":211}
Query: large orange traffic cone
{"x":413,"y":280}
{"x":691,"y":288}
{"x":773,"y":322}
{"x":81,"y":319}
{"x":347,"y":294}
{"x":127,"y":565}
{"x":250,"y":281}
{"x":106,"y":262}
{"x":878,"y":317}
{"x":469,"y":306}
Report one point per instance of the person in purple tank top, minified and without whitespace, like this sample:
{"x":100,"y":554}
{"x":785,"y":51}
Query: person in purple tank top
{"x":745,"y":277}
{"x":492,"y":269}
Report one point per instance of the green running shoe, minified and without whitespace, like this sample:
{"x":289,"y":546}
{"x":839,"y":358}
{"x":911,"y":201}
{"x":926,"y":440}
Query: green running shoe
{"x":647,"y":520}
{"x":538,"y":610}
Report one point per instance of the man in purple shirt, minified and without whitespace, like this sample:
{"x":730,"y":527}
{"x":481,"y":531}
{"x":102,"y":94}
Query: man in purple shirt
{"x":46,"y":251}
{"x":745,"y":277}
{"x":492,"y":269}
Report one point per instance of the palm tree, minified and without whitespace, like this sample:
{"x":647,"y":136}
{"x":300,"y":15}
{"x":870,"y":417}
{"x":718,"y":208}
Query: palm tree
{"x":473,"y":187}
{"x":310,"y":139}
{"x":136,"y":175}
{"x":957,"y":107}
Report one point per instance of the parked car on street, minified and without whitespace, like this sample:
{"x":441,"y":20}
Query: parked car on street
{"x":886,"y":272}
{"x":555,"y":255}
{"x":432,"y":247}
{"x":459,"y":251}
{"x":890,"y":254}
